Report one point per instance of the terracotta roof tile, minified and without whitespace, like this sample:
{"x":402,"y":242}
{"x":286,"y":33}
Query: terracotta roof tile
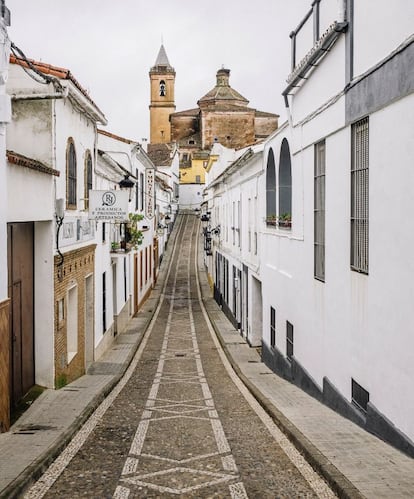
{"x":19,"y":159}
{"x":117,"y":137}
{"x":48,"y":69}
{"x":160,"y":154}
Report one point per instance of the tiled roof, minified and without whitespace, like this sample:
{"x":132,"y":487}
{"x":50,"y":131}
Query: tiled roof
{"x":48,"y":69}
{"x":117,"y":137}
{"x":160,"y":154}
{"x":263,"y":114}
{"x":162,"y":59}
{"x":187,"y":112}
{"x":19,"y":159}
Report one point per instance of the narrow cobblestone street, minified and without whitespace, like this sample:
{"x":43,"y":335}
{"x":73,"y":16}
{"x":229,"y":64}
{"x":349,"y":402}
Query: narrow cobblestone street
{"x":177,"y":425}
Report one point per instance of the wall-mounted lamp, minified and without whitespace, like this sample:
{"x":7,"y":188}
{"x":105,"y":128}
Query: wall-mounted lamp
{"x":216,"y":230}
{"x":127,"y":183}
{"x":60,"y":215}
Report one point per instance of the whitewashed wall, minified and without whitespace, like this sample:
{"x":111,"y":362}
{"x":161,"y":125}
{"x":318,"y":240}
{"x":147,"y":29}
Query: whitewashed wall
{"x":380,"y":27}
{"x":191,"y":196}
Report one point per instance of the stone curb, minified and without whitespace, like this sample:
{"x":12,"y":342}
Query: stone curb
{"x":33,"y":472}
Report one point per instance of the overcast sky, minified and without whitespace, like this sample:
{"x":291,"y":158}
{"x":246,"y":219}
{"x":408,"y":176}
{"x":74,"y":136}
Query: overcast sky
{"x":110,"y":46}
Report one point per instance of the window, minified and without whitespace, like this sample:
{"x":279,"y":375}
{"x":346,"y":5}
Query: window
{"x":141,"y":188}
{"x":163,"y":91}
{"x":125,"y":279}
{"x":319,"y":211}
{"x":285,"y":186}
{"x":71,"y":179}
{"x":359,"y":196}
{"x":88,"y":179}
{"x":191,"y":142}
{"x":72,"y":323}
{"x":270,"y":189}
{"x":136,"y":190}
{"x":272,"y":327}
{"x":103,"y":232}
{"x":360,"y":397}
{"x":289,"y":340}
{"x":104,"y":302}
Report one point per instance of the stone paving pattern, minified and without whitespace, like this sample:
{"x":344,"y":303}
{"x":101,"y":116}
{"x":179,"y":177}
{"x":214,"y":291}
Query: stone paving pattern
{"x":356,"y":463}
{"x":180,"y":427}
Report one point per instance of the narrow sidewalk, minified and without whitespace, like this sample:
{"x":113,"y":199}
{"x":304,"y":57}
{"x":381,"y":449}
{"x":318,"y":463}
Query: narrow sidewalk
{"x":355,"y":463}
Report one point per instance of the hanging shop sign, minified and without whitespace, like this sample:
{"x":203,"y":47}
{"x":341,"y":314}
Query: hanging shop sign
{"x":110,"y":206}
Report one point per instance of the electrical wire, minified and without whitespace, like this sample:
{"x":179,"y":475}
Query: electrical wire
{"x":46,"y":79}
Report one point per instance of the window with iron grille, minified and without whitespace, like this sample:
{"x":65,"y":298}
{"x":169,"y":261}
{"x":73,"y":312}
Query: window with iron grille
{"x":360,"y":397}
{"x":88,"y":179}
{"x":360,"y":196}
{"x":272,"y":327}
{"x":71,"y":178}
{"x":319,"y":211}
{"x":289,"y":340}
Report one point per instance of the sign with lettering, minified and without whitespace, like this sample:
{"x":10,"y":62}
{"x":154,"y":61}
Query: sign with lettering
{"x":111,"y":206}
{"x":150,"y":192}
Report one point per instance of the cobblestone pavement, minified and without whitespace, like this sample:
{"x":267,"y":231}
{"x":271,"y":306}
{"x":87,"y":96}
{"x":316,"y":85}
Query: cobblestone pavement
{"x":177,"y":425}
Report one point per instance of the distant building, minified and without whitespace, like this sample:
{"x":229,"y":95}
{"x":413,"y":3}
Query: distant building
{"x":222,"y":116}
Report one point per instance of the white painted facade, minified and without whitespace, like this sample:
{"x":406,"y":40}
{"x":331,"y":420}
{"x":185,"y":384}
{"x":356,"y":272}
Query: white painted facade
{"x":191,"y":196}
{"x":352,"y":326}
{"x":117,"y":158}
{"x":45,"y":117}
{"x":231,"y":198}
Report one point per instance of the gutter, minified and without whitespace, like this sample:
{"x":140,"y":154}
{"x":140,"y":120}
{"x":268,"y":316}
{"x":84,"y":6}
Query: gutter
{"x":321,"y":47}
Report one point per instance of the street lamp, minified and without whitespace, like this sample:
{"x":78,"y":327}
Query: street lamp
{"x":127,"y":183}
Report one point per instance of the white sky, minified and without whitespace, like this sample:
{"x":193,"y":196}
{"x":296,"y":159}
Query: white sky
{"x":110,"y":45}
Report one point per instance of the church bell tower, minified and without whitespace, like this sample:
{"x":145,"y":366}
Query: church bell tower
{"x":162,"y":78}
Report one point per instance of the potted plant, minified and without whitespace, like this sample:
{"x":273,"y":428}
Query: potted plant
{"x":115,"y":246}
{"x":271,"y":219}
{"x":133,"y":235}
{"x":285,"y":220}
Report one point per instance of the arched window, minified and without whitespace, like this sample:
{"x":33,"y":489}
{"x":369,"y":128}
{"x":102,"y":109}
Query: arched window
{"x":88,"y":178}
{"x":71,"y":180}
{"x":271,"y":189}
{"x":285,"y":186}
{"x":162,"y":88}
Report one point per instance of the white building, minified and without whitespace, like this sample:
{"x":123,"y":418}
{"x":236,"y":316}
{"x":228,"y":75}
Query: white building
{"x":127,"y":270}
{"x":231,"y":218}
{"x":165,"y":157}
{"x":52,"y":155}
{"x":335,"y":266}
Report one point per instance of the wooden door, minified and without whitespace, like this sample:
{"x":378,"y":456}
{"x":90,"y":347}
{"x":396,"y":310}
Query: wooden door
{"x":20,"y":239}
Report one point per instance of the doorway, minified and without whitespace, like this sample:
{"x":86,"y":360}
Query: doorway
{"x":20,"y":254}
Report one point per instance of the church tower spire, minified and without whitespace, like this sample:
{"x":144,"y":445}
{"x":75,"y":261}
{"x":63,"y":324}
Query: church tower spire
{"x":162,"y":79}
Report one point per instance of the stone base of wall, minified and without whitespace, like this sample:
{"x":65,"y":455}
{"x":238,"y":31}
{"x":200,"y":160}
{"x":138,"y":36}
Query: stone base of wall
{"x":4,"y":366}
{"x":105,"y":343}
{"x":121,"y":320}
{"x":374,"y":421}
